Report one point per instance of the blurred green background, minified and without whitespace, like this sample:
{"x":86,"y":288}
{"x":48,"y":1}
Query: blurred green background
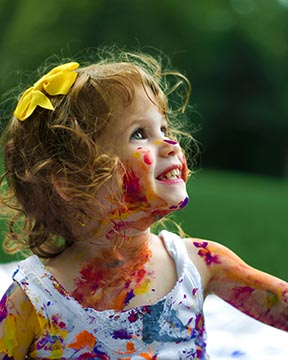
{"x":235,"y":54}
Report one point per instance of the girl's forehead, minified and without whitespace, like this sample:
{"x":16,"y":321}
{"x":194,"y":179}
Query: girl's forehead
{"x":143,"y":102}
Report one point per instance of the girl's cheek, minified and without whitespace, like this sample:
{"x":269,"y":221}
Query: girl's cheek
{"x":135,"y":181}
{"x":141,"y":159}
{"x":133,"y":192}
{"x":147,"y":158}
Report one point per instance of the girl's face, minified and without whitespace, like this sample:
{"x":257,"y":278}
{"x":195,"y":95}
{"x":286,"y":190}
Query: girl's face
{"x":156,"y":167}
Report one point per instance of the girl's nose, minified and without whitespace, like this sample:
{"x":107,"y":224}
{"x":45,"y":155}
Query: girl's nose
{"x":169,"y":147}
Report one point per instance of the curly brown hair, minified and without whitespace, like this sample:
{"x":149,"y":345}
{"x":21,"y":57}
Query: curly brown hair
{"x":63,"y":145}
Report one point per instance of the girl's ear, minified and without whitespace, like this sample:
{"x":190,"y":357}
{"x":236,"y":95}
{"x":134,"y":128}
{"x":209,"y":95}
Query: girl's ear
{"x":60,"y":185}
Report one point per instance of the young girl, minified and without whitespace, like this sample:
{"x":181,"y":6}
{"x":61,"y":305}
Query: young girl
{"x":92,"y":161}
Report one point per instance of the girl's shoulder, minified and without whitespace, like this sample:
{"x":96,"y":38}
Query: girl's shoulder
{"x":210,"y":257}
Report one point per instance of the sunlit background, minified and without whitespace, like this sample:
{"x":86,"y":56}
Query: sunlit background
{"x":235,"y":54}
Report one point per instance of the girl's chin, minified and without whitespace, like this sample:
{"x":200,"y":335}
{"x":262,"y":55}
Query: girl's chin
{"x":181,"y":204}
{"x":168,"y":208}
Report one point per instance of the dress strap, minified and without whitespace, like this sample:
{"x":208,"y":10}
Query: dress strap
{"x":177,"y":249}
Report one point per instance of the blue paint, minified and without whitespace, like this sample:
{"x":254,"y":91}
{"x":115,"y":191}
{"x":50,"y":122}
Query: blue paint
{"x":121,"y":334}
{"x":184,"y":203}
{"x":128,"y":297}
{"x":153,"y":329}
{"x":237,"y":354}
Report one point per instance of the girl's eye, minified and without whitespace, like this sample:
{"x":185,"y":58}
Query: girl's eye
{"x":164,"y":131}
{"x":139,"y":134}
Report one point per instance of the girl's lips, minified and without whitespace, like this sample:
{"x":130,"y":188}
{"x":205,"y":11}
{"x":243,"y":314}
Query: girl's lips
{"x":172,"y":174}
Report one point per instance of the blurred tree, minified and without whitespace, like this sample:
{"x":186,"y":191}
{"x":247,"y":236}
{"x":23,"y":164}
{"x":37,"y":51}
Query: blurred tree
{"x":233,"y":51}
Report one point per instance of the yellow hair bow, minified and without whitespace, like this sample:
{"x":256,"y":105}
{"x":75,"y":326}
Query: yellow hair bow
{"x":58,"y":81}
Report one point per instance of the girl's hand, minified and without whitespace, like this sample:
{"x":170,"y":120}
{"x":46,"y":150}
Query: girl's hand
{"x":257,"y":294}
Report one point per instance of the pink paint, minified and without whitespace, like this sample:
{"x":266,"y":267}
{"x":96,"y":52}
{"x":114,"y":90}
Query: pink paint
{"x":132,"y":189}
{"x":147,"y":159}
{"x":205,"y":253}
{"x":118,"y":227}
{"x":194,"y":291}
{"x":171,"y":142}
{"x":242,"y":293}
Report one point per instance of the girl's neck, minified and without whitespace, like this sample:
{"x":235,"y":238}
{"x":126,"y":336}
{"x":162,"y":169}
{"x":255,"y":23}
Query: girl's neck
{"x":113,"y":244}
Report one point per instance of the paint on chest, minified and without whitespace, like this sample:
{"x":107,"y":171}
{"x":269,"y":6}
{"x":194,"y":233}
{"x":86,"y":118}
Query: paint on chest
{"x":101,"y":286}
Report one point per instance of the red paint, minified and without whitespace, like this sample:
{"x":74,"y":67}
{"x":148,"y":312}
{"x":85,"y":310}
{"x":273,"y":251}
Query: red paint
{"x":132,"y":189}
{"x":102,"y":287}
{"x":147,"y":159}
{"x":242,"y":293}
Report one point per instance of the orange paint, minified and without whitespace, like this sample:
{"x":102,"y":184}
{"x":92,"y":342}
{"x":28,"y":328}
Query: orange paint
{"x":108,"y":286}
{"x":82,"y":340}
{"x":130,"y":347}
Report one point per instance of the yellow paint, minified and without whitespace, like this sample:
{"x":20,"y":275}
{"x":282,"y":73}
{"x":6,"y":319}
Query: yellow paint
{"x":136,"y":155}
{"x":143,"y":287}
{"x":9,"y":342}
{"x":271,"y":299}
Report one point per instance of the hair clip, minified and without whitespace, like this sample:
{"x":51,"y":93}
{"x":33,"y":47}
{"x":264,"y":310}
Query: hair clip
{"x":58,"y":81}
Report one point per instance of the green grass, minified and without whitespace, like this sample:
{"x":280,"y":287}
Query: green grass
{"x":246,"y":213}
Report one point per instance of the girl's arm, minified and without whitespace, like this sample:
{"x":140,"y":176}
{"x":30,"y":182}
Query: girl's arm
{"x":257,"y":294}
{"x":17,"y":324}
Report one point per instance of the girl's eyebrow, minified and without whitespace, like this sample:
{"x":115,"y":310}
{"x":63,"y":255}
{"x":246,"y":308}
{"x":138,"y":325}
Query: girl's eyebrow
{"x":146,"y":120}
{"x":139,"y":121}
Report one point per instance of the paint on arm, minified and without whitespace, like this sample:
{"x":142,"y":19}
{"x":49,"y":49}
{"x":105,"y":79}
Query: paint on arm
{"x":256,"y":293}
{"x":17,"y":323}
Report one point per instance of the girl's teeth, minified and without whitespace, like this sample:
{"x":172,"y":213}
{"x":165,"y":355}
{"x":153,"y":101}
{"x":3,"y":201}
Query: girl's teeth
{"x":171,"y":175}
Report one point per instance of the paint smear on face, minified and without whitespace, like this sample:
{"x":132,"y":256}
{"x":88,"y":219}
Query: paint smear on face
{"x":132,"y":189}
{"x":184,"y":203}
{"x":181,"y":204}
{"x":205,"y":253}
{"x":171,"y":142}
{"x":136,"y":155}
{"x":147,"y":159}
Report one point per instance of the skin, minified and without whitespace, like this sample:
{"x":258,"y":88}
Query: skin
{"x":103,"y":276}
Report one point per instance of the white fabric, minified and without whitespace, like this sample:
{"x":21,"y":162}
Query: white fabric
{"x":173,"y":328}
